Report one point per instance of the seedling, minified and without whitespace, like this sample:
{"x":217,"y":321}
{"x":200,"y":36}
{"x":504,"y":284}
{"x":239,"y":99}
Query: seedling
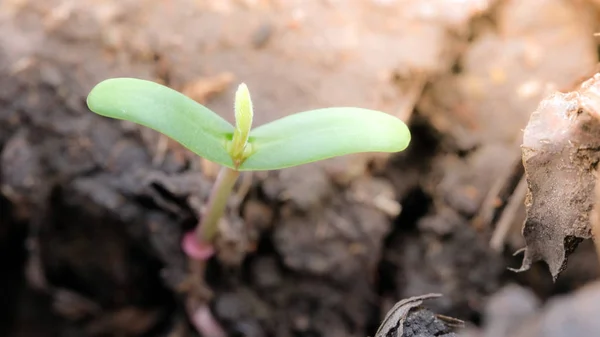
{"x":293,"y":140}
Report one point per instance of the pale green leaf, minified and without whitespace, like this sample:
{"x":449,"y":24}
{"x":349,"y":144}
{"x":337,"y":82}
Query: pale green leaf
{"x":243,"y":123}
{"x":167,"y":111}
{"x":324,"y":133}
{"x":243,"y":110}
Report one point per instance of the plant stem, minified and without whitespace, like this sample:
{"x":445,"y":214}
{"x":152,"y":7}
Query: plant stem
{"x":217,"y":202}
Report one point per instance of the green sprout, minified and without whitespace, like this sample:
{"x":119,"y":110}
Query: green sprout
{"x":293,"y":140}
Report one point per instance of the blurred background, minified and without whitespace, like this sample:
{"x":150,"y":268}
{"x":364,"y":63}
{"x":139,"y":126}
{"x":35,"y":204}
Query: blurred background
{"x":92,"y":210}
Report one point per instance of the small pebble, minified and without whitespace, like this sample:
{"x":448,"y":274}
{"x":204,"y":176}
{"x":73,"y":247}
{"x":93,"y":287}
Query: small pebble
{"x":262,"y":35}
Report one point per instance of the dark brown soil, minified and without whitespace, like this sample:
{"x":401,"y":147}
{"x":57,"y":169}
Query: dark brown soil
{"x":92,"y":210}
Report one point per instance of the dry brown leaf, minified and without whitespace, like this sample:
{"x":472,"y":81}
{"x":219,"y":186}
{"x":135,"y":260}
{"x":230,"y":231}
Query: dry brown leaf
{"x":560,"y":155}
{"x":396,"y":316}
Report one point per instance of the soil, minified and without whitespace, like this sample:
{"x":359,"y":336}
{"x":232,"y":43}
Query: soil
{"x":92,"y":210}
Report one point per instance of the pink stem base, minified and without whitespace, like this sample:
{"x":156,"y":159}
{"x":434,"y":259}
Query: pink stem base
{"x":194,"y":249}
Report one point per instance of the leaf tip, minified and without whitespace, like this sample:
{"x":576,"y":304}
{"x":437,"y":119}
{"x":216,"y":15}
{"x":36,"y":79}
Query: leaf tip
{"x":99,"y":96}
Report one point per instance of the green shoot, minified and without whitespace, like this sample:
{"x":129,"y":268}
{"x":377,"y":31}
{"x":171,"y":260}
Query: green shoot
{"x":293,"y":140}
{"x":243,"y":124}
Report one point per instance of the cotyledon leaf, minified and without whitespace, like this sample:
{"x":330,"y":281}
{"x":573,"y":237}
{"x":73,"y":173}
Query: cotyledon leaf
{"x":167,"y":111}
{"x":321,"y":134}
